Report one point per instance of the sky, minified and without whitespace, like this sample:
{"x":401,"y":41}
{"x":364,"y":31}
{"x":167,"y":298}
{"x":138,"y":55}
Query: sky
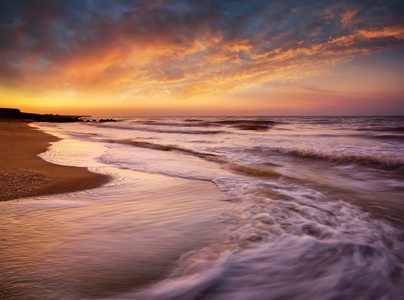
{"x":202,"y":57}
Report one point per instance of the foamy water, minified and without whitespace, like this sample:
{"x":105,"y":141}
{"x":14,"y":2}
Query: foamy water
{"x":314,"y":209}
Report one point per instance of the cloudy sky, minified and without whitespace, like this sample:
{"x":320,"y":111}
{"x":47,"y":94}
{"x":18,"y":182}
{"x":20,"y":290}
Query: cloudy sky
{"x":203,"y":57}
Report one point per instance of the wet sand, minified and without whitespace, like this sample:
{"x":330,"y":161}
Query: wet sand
{"x":99,"y":243}
{"x":24,"y":174}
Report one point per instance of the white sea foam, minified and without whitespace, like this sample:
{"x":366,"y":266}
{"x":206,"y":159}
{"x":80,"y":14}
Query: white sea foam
{"x":303,"y":247}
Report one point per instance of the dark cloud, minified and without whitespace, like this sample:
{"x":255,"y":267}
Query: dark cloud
{"x":38,"y":38}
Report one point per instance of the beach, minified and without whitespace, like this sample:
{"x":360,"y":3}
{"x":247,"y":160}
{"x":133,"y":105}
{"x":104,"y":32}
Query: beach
{"x":207,"y":208}
{"x":24,"y":174}
{"x":85,"y":234}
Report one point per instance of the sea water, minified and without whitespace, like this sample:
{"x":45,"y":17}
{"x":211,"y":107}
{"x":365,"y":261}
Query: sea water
{"x":304,"y":208}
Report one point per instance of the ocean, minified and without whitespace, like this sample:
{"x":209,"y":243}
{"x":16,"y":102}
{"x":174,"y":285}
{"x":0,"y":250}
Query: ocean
{"x":216,"y":208}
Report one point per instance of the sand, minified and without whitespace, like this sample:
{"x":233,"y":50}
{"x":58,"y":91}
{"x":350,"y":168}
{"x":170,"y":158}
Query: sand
{"x":24,"y":174}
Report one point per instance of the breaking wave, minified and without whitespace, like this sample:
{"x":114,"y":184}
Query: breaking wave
{"x":287,"y":242}
{"x":384,"y":162}
{"x":246,"y":124}
{"x":232,"y":166}
{"x":160,"y":130}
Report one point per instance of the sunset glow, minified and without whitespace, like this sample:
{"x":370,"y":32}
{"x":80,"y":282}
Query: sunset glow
{"x":176,"y":57}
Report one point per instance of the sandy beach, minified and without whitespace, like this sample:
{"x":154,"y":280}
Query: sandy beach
{"x":24,"y":174}
{"x":115,"y":238}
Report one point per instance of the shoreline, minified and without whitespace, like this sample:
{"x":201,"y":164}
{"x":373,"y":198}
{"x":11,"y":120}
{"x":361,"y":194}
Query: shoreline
{"x":24,"y":174}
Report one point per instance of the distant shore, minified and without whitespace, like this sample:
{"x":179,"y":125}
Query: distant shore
{"x":24,"y":174}
{"x":16,"y":114}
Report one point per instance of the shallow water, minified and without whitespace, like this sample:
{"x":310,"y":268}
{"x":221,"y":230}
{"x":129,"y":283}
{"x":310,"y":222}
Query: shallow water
{"x":217,"y":208}
{"x":102,"y":241}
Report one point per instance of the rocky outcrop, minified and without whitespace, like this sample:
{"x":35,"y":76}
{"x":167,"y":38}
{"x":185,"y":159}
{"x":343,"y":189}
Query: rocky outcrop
{"x":13,"y":113}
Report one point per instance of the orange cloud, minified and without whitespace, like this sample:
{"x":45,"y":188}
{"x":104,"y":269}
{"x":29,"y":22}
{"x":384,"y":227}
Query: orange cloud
{"x":155,"y":52}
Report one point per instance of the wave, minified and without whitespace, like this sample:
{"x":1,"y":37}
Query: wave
{"x":232,"y":166}
{"x":193,"y":120}
{"x":297,"y":244}
{"x":241,"y":122}
{"x":184,"y":131}
{"x":346,"y":158}
{"x":388,"y":129}
{"x":322,"y":121}
{"x":252,"y":171}
{"x":148,"y":129}
{"x":254,"y":125}
{"x":155,"y":146}
{"x":200,"y":123}
{"x":389,"y":137}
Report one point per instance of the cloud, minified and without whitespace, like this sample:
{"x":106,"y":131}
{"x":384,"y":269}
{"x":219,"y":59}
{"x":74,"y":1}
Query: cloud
{"x":178,"y":49}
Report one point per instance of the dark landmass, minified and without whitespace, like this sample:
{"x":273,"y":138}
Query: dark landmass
{"x":16,"y":114}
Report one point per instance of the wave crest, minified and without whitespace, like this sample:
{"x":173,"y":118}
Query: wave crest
{"x":346,"y":158}
{"x":232,"y":166}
